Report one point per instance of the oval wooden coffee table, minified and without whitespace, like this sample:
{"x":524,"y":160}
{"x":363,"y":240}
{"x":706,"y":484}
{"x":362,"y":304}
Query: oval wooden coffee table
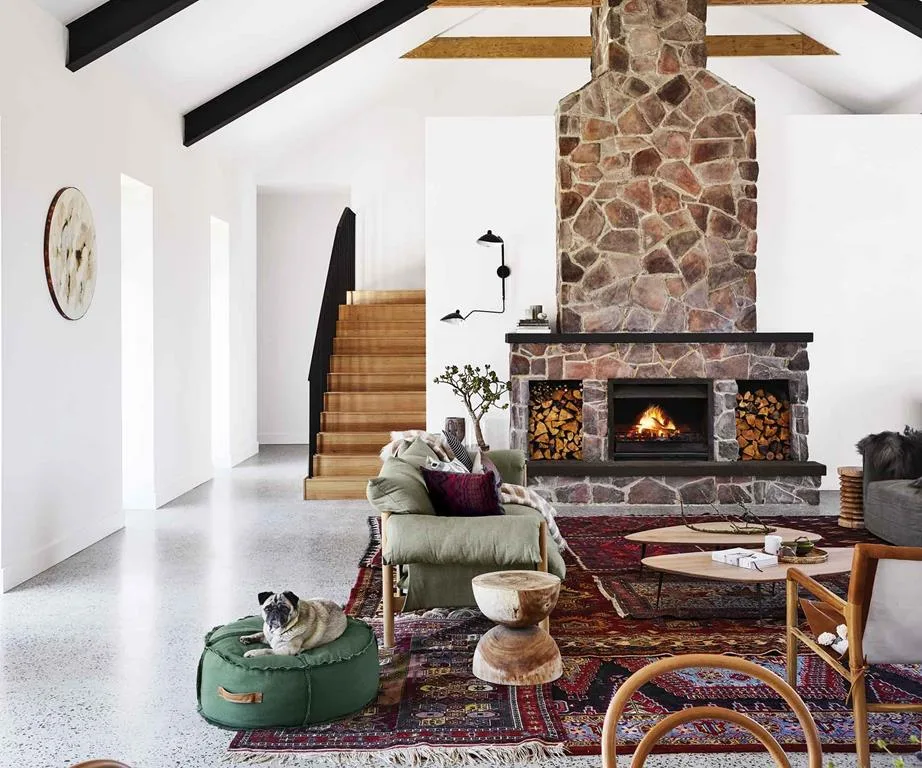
{"x":518,"y":651}
{"x":709,"y":535}
{"x":700,"y":565}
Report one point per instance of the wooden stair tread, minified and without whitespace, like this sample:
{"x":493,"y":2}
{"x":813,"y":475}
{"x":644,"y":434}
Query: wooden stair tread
{"x":372,"y":363}
{"x":334,"y":488}
{"x":386,"y":297}
{"x":374,"y":312}
{"x":414,"y":381}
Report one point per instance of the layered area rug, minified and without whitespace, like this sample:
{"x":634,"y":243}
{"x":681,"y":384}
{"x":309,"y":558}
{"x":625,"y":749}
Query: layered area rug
{"x":431,"y":710}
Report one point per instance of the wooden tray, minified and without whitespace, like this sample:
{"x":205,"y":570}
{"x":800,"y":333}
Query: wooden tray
{"x":814,"y":558}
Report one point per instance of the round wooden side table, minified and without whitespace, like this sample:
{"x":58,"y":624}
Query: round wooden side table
{"x":518,"y":651}
{"x":851,"y":506}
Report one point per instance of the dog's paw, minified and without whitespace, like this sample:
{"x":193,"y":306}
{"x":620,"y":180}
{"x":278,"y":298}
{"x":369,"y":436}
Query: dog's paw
{"x":247,"y":641}
{"x":257,"y":652}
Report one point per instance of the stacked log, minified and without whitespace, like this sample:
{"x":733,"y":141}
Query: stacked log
{"x":555,"y":423}
{"x":763,"y":426}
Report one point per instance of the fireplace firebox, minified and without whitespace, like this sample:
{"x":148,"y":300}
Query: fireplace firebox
{"x":661,"y":419}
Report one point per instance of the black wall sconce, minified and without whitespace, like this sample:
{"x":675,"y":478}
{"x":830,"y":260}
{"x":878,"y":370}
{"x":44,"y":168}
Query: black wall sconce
{"x":488,"y":240}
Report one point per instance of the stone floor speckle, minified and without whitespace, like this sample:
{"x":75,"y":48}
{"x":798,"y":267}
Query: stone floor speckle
{"x":98,"y":655}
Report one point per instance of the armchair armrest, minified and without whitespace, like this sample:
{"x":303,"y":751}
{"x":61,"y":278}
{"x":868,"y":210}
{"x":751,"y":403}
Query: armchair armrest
{"x":816,"y":589}
{"x":503,"y":541}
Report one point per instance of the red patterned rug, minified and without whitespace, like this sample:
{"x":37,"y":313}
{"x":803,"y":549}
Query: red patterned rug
{"x":432,"y":709}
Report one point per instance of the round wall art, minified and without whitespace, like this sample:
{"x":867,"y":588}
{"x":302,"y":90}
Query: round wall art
{"x":70,"y":253}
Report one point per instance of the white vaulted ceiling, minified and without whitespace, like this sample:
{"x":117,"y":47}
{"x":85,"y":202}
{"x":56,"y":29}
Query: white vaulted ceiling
{"x":214,"y":44}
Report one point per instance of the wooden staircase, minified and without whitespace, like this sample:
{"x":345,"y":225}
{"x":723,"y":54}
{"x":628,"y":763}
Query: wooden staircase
{"x":377,"y":384}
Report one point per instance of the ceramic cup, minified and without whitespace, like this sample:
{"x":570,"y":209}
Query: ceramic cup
{"x":773,"y":544}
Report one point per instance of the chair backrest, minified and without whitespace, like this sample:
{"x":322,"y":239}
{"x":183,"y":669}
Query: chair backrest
{"x":101,"y":764}
{"x":886,"y":587}
{"x":668,"y":723}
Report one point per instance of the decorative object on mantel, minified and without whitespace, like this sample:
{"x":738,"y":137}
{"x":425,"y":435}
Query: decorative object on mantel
{"x":70,"y":253}
{"x":479,"y":390}
{"x":851,"y":503}
{"x":489,"y":240}
{"x":457,"y":426}
{"x":536,"y":322}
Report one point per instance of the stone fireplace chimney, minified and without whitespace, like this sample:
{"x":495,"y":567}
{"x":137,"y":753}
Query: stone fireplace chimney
{"x":656,"y":181}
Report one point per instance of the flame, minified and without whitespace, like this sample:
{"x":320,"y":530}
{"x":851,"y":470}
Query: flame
{"x":654,"y":422}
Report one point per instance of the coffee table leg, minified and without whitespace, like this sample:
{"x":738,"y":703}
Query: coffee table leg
{"x":759,"y":599}
{"x":659,"y":589}
{"x":643,"y":554}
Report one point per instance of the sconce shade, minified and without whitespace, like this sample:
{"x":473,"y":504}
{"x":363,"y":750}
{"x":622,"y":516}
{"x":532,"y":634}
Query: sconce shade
{"x":455,"y":318}
{"x":490,"y":240}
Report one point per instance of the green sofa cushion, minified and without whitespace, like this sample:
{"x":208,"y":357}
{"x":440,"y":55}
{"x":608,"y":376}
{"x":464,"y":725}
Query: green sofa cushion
{"x":400,"y":489}
{"x":417,"y":453}
{"x":316,"y":686}
{"x":509,"y":541}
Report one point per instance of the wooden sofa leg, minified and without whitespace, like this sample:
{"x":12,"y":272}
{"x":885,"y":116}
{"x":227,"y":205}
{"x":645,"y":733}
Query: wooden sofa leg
{"x":542,"y":543}
{"x":387,"y":587}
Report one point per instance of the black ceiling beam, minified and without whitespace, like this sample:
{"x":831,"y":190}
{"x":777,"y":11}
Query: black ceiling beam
{"x":112,"y":24}
{"x":300,"y":65}
{"x":906,"y":13}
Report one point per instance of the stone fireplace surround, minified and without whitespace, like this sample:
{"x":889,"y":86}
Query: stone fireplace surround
{"x":722,"y":359}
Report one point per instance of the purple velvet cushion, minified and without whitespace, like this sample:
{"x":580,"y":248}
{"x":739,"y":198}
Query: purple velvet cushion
{"x":458,"y":495}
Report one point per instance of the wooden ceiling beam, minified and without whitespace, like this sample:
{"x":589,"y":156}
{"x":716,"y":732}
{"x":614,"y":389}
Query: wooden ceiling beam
{"x":581,"y":47}
{"x":593,"y":3}
{"x":113,"y":24}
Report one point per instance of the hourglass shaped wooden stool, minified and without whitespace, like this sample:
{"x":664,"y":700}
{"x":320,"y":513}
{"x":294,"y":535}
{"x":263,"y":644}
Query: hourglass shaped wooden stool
{"x":518,"y":651}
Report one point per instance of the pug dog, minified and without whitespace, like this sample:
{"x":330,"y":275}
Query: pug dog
{"x":292,"y":625}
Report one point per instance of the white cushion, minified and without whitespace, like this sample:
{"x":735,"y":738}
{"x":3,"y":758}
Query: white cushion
{"x":893,"y":633}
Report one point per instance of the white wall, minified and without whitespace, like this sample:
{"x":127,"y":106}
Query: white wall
{"x":379,"y":160}
{"x":850,"y":270}
{"x":296,"y":232}
{"x":61,"y":431}
{"x":485,"y":173}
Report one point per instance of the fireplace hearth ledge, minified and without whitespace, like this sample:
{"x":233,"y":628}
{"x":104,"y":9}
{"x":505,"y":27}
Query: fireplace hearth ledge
{"x":676,"y":468}
{"x":658,"y":338}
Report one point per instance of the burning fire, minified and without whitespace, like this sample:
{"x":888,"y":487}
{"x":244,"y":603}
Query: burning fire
{"x":654,"y":422}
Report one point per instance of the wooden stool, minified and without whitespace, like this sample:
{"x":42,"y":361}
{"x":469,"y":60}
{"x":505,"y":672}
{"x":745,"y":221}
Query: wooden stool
{"x":518,"y":651}
{"x":851,"y":514}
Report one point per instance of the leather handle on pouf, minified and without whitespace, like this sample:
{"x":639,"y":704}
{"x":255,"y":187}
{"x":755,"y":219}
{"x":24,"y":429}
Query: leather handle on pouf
{"x":240,"y":698}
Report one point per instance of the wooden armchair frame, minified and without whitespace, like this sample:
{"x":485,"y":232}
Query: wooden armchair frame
{"x":667,"y":724}
{"x":393,"y":600}
{"x":854,"y":613}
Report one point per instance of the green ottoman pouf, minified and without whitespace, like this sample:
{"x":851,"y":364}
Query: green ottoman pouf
{"x":316,"y":686}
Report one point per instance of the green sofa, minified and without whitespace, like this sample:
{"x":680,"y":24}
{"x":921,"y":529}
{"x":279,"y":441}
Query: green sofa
{"x":438,"y":556}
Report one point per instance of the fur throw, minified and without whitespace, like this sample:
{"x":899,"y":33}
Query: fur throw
{"x":401,"y":440}
{"x":893,"y":455}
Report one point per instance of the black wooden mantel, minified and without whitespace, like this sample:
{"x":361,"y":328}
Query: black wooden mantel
{"x":657,"y":338}
{"x":671,"y":468}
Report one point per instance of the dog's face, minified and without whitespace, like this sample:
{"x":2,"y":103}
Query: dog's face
{"x":278,"y":609}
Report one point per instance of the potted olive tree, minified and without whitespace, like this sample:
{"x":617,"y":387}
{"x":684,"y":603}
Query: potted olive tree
{"x":479,"y":389}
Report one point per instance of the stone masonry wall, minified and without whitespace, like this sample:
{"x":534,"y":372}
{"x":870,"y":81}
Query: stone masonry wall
{"x":656,"y":180}
{"x":723,"y":363}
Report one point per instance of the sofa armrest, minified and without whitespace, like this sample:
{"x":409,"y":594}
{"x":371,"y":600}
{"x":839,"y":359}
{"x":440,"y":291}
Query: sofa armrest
{"x":511,"y":465}
{"x":501,"y":541}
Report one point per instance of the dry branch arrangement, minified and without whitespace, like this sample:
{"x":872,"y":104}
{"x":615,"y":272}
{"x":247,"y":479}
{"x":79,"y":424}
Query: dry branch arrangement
{"x":746,"y":523}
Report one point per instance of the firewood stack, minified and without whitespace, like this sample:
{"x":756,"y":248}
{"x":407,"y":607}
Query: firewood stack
{"x":763,"y":426}
{"x":555,"y":422}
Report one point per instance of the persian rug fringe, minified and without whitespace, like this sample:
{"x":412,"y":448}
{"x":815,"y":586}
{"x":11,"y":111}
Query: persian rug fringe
{"x":611,"y":598}
{"x":423,"y":756}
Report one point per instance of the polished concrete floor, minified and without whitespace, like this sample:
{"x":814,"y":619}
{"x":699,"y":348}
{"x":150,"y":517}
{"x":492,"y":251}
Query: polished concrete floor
{"x":98,"y":655}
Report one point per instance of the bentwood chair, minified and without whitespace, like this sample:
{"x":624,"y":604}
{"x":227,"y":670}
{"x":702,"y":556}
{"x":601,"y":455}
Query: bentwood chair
{"x":667,"y":724}
{"x":884,"y":621}
{"x":101,"y":764}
